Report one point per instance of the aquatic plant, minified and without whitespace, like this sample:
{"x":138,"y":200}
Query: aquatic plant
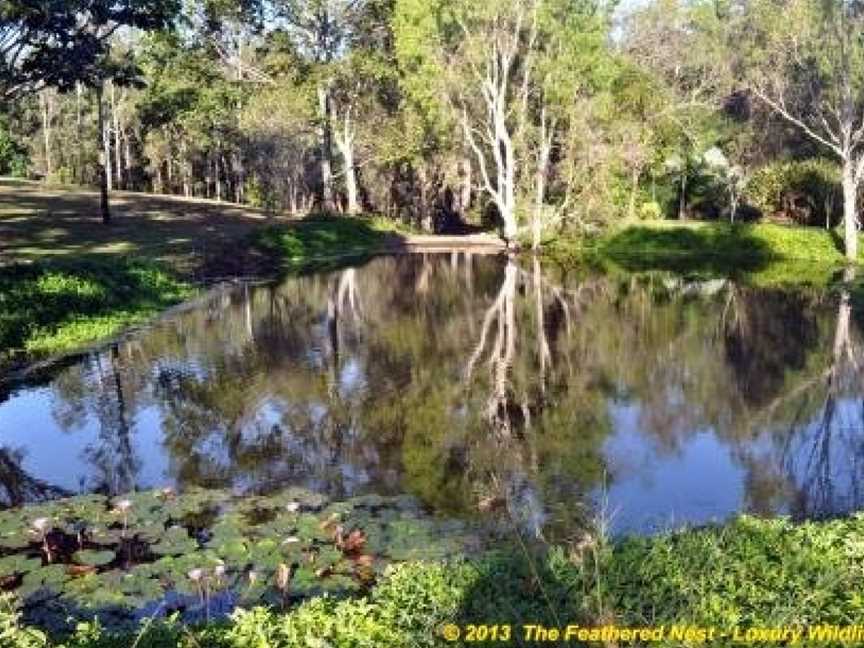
{"x":40,"y":528}
{"x":152,"y":550}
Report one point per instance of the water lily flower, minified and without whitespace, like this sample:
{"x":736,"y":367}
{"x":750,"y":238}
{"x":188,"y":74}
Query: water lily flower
{"x":40,"y":524}
{"x":291,"y":540}
{"x":283,"y":575}
{"x":293,"y":507}
{"x":123,"y":507}
{"x":166,"y":493}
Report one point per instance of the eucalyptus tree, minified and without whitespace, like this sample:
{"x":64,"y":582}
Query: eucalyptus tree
{"x":682,"y":50}
{"x":506,"y":71}
{"x":322,"y":31}
{"x":805,"y":60}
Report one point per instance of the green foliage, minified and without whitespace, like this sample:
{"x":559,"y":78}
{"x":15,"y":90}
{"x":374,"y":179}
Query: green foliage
{"x":49,"y":307}
{"x":751,"y":572}
{"x":747,"y":573}
{"x":13,"y":156}
{"x":259,"y":196}
{"x":650,"y":210}
{"x":733,"y":243}
{"x":65,"y":42}
{"x":817,"y":181}
{"x":762,"y":254}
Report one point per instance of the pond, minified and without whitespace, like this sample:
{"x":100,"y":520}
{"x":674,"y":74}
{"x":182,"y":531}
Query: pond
{"x":490,"y":390}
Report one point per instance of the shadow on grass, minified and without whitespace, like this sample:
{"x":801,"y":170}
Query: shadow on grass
{"x":522,"y":589}
{"x":716,"y":250}
{"x":837,"y":240}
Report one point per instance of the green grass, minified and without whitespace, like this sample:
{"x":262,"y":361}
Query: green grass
{"x":319,"y":238}
{"x":56,"y":306}
{"x":748,"y":573}
{"x":762,"y":254}
{"x":766,"y":252}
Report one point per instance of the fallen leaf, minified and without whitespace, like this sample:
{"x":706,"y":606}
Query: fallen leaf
{"x":80,"y":570}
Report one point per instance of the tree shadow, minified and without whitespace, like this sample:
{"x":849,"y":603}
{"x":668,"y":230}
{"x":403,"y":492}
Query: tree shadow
{"x":521,"y":587}
{"x":715,"y":250}
{"x":837,"y":240}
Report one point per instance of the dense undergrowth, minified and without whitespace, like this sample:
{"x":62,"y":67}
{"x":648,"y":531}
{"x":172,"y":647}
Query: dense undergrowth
{"x":748,"y":573}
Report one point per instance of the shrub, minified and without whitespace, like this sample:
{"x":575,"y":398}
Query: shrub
{"x":650,"y":210}
{"x":13,"y":156}
{"x":807,"y":191}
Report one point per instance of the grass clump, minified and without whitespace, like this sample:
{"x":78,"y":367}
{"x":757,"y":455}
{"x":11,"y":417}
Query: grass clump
{"x":51,"y":307}
{"x":748,"y":573}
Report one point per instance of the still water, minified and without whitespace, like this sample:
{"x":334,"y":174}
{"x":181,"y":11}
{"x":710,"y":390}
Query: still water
{"x":488,"y":388}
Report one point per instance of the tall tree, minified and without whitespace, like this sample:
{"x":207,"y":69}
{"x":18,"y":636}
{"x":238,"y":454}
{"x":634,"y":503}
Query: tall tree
{"x":805,"y":60}
{"x":505,"y":69}
{"x":322,"y":30}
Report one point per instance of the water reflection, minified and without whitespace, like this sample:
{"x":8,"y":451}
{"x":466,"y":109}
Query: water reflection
{"x":483,"y":385}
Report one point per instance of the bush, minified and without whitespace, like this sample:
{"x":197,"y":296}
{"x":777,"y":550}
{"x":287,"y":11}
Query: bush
{"x":806,"y":191}
{"x":13,"y":156}
{"x":650,"y":210}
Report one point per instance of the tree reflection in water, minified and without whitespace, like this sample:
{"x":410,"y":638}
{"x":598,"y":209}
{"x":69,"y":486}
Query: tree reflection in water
{"x":485,"y":383}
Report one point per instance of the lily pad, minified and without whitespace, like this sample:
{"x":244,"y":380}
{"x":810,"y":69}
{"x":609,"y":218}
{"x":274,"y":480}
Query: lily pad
{"x":16,"y":540}
{"x":46,"y":580}
{"x":94,"y":558}
{"x":18,"y":564}
{"x":175,"y":542}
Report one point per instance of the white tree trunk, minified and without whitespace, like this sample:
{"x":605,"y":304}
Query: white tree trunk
{"x":115,"y":119}
{"x":345,"y":143}
{"x":850,"y":211}
{"x":493,"y":131}
{"x":465,"y":193}
{"x":106,"y":143}
{"x":324,"y":134}
{"x":46,"y":132}
{"x":547,"y":129}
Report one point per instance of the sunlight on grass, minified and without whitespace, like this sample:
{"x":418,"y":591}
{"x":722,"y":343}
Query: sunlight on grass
{"x":52,"y":307}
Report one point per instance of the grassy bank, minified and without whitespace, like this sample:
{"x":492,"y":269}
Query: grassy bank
{"x":766,"y":252}
{"x":66,"y":280}
{"x":747,"y":574}
{"x":50,"y":307}
{"x":319,"y":239}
